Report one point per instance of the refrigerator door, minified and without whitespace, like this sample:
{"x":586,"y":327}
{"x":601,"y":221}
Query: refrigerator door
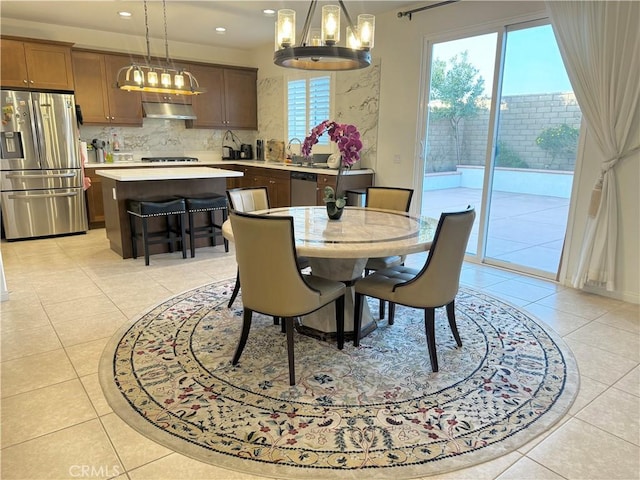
{"x":18,"y":148}
{"x":54,"y":116}
{"x":40,"y":179}
{"x":37,"y":213}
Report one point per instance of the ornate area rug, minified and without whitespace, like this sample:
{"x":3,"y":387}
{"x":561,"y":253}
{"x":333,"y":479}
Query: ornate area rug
{"x":372,"y":412}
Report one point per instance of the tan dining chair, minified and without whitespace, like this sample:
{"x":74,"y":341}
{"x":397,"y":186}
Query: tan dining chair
{"x":251,"y":199}
{"x":435,"y":285}
{"x":272,"y":284}
{"x":389,"y":198}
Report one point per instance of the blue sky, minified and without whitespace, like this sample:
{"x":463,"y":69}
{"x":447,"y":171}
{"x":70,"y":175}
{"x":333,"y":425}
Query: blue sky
{"x":532,"y":61}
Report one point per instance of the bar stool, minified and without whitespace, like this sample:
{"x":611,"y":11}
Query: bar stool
{"x":210,"y":203}
{"x":162,"y":207}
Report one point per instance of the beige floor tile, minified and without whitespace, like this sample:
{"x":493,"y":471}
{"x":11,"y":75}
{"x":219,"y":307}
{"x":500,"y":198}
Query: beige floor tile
{"x":68,"y":292}
{"x":133,"y":448}
{"x":21,"y":343}
{"x":19,"y":298}
{"x":86,"y":356}
{"x":600,"y":365}
{"x":527,"y":469}
{"x":561,"y":322}
{"x":81,"y":451}
{"x":586,"y":305}
{"x":89,"y":328}
{"x":576,"y":451}
{"x":522,"y":290}
{"x":589,"y":390}
{"x":24,"y":317}
{"x":616,"y":412}
{"x":626,"y":317}
{"x":527,"y":447}
{"x":91,"y":384}
{"x":35,"y":371}
{"x":630,"y":383}
{"x":38,"y":412}
{"x":80,"y":308}
{"x":611,"y":339}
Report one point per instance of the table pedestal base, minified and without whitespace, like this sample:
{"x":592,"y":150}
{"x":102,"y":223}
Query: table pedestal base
{"x":322,"y":322}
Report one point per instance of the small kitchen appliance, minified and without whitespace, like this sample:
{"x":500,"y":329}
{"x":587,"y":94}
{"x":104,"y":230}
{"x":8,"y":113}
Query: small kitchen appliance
{"x":260,"y":150}
{"x":246,"y":151}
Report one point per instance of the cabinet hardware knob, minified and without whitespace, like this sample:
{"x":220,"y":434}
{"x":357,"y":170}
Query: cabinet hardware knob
{"x":24,"y":81}
{"x":31,"y":81}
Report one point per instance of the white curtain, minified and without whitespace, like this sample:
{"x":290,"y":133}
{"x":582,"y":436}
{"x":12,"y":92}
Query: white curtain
{"x":600,"y":46}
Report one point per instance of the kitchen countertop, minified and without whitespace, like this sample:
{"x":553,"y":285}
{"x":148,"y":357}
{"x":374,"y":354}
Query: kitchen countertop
{"x":222,"y":164}
{"x":171,"y":173}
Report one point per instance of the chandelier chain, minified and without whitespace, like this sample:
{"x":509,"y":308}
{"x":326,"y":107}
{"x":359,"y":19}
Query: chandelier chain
{"x":146,"y":26}
{"x":166,"y":41}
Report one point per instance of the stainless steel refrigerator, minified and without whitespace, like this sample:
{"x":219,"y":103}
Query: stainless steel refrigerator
{"x":41,"y":177}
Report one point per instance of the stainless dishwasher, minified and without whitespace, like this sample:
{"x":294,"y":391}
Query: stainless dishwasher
{"x":304,"y":188}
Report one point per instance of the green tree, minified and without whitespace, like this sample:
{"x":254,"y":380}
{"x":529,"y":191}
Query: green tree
{"x":560,"y":141}
{"x":456,"y":93}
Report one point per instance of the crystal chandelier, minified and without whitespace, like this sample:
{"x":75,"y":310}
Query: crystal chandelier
{"x":157,"y":78}
{"x":319,"y":49}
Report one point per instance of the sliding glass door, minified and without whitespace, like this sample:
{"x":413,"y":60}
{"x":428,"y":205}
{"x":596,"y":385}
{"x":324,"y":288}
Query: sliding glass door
{"x":502,"y":129}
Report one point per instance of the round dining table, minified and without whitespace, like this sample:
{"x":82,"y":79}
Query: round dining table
{"x":339,"y":250}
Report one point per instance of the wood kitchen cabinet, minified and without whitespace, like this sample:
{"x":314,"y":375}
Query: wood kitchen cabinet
{"x":230,"y":100}
{"x":95,"y":204}
{"x":36,"y":65}
{"x":278,"y":183}
{"x":101,"y":101}
{"x":347,"y":182}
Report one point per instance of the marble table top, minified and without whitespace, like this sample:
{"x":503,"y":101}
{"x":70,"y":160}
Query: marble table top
{"x":360,"y":233}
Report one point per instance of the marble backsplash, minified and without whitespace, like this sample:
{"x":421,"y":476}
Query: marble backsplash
{"x":356,"y":102}
{"x":160,"y":137}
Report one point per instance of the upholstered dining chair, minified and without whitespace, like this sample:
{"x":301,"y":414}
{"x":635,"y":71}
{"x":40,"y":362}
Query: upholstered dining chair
{"x":272,"y":284}
{"x":435,"y":285}
{"x":251,"y":199}
{"x":389,"y":198}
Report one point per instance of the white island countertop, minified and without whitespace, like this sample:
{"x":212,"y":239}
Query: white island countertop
{"x":170,"y":173}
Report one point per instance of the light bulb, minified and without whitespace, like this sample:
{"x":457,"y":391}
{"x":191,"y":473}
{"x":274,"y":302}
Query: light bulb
{"x":138,"y":77}
{"x":366,"y":27}
{"x":152,"y":78}
{"x":331,"y":24}
{"x":165,"y":79}
{"x":178,"y":80}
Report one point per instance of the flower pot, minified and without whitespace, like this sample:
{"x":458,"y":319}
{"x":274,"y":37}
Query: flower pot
{"x":333,"y":212}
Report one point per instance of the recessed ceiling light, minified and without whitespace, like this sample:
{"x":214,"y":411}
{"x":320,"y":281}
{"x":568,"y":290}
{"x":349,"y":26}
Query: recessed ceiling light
{"x":221,"y":30}
{"x":269,"y":12}
{"x":124,"y":14}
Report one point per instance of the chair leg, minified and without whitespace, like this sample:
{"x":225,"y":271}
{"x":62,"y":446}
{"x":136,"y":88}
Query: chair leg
{"x":212,"y":222}
{"x":381,"y":309}
{"x":145,"y":240}
{"x":392,"y":313}
{"x":224,"y":219}
{"x":451,"y":315}
{"x":288,"y":321}
{"x":236,"y":290}
{"x":169,"y":232}
{"x":192,"y":236}
{"x":246,"y":326}
{"x":134,"y":236}
{"x":430,"y":330}
{"x":182,"y":219}
{"x":340,"y":321}
{"x":357,"y":319}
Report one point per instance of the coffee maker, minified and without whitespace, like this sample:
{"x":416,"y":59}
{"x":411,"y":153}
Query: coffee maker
{"x":246,"y":151}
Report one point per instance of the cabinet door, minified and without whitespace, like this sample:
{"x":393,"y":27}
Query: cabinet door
{"x":325,"y":181}
{"x":241,"y":105}
{"x":13,"y":65}
{"x":125,"y":108}
{"x":91,"y":88}
{"x":49,"y":66}
{"x":208,"y":106}
{"x":95,"y":204}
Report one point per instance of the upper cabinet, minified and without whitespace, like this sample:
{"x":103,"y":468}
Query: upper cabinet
{"x":101,"y":101}
{"x":35,"y":65}
{"x":230,"y":100}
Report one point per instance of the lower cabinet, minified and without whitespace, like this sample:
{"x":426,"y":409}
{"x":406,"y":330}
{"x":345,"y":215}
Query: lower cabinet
{"x":347,"y":182}
{"x":95,"y":204}
{"x":278,"y":183}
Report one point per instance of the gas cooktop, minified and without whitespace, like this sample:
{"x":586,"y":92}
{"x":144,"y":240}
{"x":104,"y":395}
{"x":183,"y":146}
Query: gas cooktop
{"x":169,"y":159}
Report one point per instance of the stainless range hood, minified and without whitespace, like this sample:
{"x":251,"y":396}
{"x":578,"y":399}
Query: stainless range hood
{"x":172,"y":111}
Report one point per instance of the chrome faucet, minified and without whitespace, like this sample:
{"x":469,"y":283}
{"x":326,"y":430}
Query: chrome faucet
{"x":289,"y":154}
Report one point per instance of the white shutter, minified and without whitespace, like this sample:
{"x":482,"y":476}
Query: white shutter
{"x":308,"y":104}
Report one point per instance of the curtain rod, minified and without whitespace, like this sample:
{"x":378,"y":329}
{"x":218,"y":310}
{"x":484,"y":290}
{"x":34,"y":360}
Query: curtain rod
{"x":408,"y":13}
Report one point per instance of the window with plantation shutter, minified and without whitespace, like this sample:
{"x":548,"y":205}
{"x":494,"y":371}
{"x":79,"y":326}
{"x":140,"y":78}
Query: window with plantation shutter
{"x":308,"y":104}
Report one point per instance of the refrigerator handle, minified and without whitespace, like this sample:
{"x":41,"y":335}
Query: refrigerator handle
{"x":43,"y":175}
{"x":38,"y":126}
{"x":23,"y":196}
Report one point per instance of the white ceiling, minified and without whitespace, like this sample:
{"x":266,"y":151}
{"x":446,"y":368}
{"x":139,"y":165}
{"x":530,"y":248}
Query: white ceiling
{"x":187,"y":21}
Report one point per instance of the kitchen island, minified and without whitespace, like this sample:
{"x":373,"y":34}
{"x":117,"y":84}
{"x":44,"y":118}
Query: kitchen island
{"x":119,"y":185}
